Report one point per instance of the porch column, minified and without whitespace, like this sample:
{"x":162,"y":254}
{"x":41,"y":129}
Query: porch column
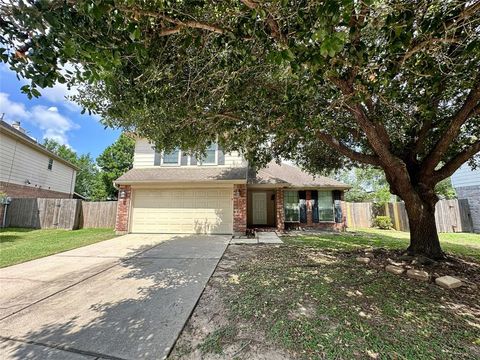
{"x":280,"y":213}
{"x":239,"y":209}
{"x":123,"y":209}
{"x":308,"y":198}
{"x":343,"y":224}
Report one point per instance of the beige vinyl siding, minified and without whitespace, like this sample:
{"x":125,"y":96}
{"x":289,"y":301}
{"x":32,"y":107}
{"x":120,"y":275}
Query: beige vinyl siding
{"x":20,"y":162}
{"x":234,"y":159}
{"x":182,"y":210}
{"x":144,"y":156}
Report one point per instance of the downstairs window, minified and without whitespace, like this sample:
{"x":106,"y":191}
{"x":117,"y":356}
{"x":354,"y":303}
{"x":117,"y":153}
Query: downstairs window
{"x":292,"y":210}
{"x":325,"y":206}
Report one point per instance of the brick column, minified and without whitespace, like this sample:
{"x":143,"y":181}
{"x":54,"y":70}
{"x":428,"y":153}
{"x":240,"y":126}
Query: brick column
{"x":239,"y":209}
{"x":308,"y":198}
{"x":123,"y":210}
{"x":280,"y":213}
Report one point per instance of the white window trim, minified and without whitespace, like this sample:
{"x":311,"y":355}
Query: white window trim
{"x":171,"y":164}
{"x":333,"y":208}
{"x":201,"y":163}
{"x":298,"y":206}
{"x":216,"y":158}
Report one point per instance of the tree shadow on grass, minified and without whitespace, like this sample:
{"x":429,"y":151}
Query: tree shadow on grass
{"x":355,"y":307}
{"x":133,"y":310}
{"x":358,"y":238}
{"x":12,"y":234}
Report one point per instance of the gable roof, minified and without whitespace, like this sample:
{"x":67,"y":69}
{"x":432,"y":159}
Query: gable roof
{"x":292,"y":176}
{"x":27,"y":140}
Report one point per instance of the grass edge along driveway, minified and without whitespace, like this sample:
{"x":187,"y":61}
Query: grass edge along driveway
{"x":18,"y":245}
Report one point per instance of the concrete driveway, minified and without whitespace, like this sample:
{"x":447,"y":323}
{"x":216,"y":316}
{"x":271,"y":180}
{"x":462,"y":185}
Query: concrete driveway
{"x":124,"y":298}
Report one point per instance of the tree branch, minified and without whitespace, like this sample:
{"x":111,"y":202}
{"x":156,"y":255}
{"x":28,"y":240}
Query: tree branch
{"x":272,"y":24}
{"x":461,"y":116}
{"x":346,"y":151}
{"x":470,"y":10}
{"x":421,"y":46}
{"x":451,"y":166}
{"x":375,"y":132}
{"x":180,"y":23}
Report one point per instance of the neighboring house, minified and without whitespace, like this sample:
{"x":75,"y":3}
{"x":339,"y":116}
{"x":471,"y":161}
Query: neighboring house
{"x":220,"y":194}
{"x":29,"y":170}
{"x":467,"y":185}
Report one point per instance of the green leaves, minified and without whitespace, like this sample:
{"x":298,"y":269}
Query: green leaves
{"x":333,"y":44}
{"x":269,"y":78}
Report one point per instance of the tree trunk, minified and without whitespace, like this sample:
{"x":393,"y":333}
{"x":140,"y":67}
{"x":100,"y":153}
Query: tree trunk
{"x":423,"y":231}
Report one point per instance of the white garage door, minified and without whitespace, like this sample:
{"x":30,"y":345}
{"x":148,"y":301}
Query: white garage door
{"x":177,"y":211}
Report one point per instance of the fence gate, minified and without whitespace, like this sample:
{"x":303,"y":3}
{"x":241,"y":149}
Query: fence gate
{"x":44,"y":213}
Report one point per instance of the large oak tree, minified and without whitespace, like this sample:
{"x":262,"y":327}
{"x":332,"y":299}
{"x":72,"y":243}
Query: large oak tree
{"x":394,"y":84}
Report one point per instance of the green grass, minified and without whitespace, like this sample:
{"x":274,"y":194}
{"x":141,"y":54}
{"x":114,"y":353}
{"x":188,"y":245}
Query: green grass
{"x":312,"y":299}
{"x":20,"y":245}
{"x":464,"y":244}
{"x":217,"y":340}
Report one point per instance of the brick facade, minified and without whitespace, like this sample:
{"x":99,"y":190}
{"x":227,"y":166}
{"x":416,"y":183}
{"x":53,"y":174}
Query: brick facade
{"x":123,"y":210}
{"x":24,"y":191}
{"x":472,"y":194}
{"x":239,"y":209}
{"x":280,"y":212}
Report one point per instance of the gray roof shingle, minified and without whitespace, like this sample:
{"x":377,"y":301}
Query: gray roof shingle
{"x":292,"y":176}
{"x":182,"y":175}
{"x":273,"y":174}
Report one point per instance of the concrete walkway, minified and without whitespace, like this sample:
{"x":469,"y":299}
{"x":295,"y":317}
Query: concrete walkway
{"x":125,"y":298}
{"x":262,"y":237}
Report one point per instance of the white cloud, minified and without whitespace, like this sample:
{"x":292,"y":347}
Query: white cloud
{"x":59,"y":94}
{"x":12,"y":109}
{"x":48,"y":119}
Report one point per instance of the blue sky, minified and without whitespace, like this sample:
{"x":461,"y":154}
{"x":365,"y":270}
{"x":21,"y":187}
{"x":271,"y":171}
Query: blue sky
{"x":53,"y":116}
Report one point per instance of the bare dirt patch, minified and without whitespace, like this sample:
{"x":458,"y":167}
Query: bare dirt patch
{"x":209,"y":333}
{"x":301,"y":302}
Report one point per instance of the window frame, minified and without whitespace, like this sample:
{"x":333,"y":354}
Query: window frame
{"x":297,"y":204}
{"x":215,"y":162}
{"x":162,"y":163}
{"x":50,"y":164}
{"x":319,"y":208}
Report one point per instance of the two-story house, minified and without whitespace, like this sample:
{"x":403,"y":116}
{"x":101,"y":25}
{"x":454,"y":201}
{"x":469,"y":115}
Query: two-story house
{"x":29,"y":170}
{"x":220,"y":194}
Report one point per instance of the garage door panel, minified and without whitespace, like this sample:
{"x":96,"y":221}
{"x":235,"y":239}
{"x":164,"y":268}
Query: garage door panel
{"x":183,"y":211}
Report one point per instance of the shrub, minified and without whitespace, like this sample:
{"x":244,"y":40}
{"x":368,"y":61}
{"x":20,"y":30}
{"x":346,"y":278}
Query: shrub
{"x":383,"y":222}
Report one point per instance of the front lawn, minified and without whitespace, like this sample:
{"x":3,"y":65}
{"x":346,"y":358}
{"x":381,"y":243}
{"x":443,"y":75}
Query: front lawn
{"x":310,"y":299}
{"x":464,"y":244}
{"x":20,"y":245}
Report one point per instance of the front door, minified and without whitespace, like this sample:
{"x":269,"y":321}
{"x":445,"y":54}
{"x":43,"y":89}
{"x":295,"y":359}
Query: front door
{"x":259,"y":208}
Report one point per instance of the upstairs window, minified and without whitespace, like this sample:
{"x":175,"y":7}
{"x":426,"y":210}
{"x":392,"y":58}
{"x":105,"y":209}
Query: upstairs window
{"x":171,"y":158}
{"x":211,"y":156}
{"x":50,"y":164}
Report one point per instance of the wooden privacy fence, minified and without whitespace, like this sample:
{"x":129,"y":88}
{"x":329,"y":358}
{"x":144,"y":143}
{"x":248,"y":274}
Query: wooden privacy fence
{"x":67,"y":214}
{"x":450,"y":215}
{"x":98,"y":214}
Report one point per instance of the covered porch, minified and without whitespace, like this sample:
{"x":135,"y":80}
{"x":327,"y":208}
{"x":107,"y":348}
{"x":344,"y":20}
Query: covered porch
{"x":282,"y":208}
